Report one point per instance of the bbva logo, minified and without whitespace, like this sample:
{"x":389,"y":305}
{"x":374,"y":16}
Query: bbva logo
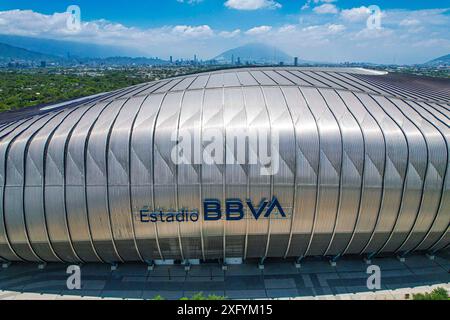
{"x":234,"y":209}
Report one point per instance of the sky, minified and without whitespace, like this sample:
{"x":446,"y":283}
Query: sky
{"x":402,"y":31}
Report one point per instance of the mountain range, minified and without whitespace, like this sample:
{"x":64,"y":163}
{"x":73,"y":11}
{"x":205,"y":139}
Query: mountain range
{"x":444,"y":60}
{"x":255,"y":53}
{"x":10,"y":53}
{"x":64,"y":49}
{"x":71,"y":53}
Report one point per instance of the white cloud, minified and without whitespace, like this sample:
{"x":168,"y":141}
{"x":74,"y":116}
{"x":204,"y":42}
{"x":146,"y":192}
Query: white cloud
{"x":336,"y":28}
{"x":409,"y":22}
{"x":413,"y":36}
{"x":230,"y":34}
{"x":355,"y":14}
{"x":433,"y":43}
{"x":309,"y":3}
{"x":288,"y":28}
{"x":252,"y":4}
{"x":326,"y":8}
{"x":189,"y":31}
{"x":190,"y":1}
{"x":372,"y":34}
{"x":258,"y":30}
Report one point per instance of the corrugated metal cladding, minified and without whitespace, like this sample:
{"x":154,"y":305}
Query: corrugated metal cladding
{"x":364,"y":168}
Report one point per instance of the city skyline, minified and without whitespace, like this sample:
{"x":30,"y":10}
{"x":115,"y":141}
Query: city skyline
{"x":315,"y":30}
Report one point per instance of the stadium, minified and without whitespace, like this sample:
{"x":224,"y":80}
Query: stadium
{"x":363,"y":169}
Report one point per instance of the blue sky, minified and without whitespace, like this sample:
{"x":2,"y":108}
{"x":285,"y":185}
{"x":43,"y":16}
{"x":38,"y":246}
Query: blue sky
{"x":411,"y":31}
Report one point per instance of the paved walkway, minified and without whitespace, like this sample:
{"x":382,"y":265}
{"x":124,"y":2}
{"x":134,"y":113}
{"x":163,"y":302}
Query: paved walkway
{"x":316,"y":279}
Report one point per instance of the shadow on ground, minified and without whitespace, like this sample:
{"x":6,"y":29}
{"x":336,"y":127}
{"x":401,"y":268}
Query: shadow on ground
{"x":279,"y":279}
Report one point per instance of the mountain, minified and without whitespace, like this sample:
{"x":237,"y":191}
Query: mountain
{"x":255,"y":53}
{"x":444,"y":60}
{"x":67,"y":48}
{"x":8,"y":53}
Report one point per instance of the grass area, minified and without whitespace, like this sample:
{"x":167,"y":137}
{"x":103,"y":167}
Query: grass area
{"x":196,"y":297}
{"x":436,"y":294}
{"x":19,"y":90}
{"x":29,"y":87}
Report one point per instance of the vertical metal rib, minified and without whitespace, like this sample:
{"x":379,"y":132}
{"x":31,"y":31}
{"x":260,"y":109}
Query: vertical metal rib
{"x":5,"y":163}
{"x":43,"y":185}
{"x":404,"y":183}
{"x":294,"y":200}
{"x":271,"y":177}
{"x":202,"y":237}
{"x":24,"y":157}
{"x":177,"y":205}
{"x":316,"y":204}
{"x":363,"y":176}
{"x":153,"y":173}
{"x":419,"y":209}
{"x":130,"y":138}
{"x":338,"y":208}
{"x":383,"y":178}
{"x":441,"y":204}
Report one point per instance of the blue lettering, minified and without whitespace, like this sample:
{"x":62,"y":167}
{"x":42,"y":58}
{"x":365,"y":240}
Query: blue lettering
{"x":275,"y":204}
{"x":235,"y":210}
{"x":212,"y":210}
{"x":261,"y":208}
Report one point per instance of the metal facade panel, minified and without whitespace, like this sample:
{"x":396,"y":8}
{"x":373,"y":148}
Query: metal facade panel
{"x":55,"y":187}
{"x":396,"y":163}
{"x":97,"y":181}
{"x":293,"y":78}
{"x":76,"y":202}
{"x":436,"y":237}
{"x":118,"y":185}
{"x":34,"y":205}
{"x":330,"y":168}
{"x":165,"y":174}
{"x":362,"y":167}
{"x":141,"y":175}
{"x":14,"y":214}
{"x":435,"y":171}
{"x":189,"y":172}
{"x":258,"y":122}
{"x":213,"y":172}
{"x":371,"y":189}
{"x":352,"y":169}
{"x":6,"y":249}
{"x":413,"y":185}
{"x":307,"y":169}
{"x":283,"y":167}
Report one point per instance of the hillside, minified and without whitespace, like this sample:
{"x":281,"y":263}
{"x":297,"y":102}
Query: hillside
{"x":444,"y":60}
{"x":255,"y":53}
{"x":8,"y":52}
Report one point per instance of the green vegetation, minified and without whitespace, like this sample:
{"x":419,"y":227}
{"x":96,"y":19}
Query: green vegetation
{"x":201,"y":296}
{"x":196,"y":297}
{"x":436,"y":294}
{"x":21,"y":88}
{"x":18,"y":89}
